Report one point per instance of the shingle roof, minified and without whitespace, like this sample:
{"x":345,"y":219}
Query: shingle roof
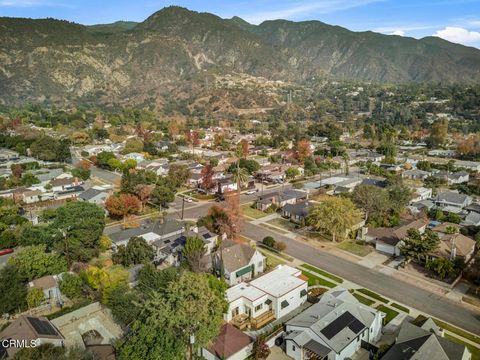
{"x":90,"y":194}
{"x":235,"y":256}
{"x":229,"y":342}
{"x":162,"y":229}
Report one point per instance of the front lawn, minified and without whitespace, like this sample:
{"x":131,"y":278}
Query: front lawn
{"x":283,"y":223}
{"x":373,"y":295}
{"x":316,"y":280}
{"x":391,"y":314}
{"x":458,"y":331}
{"x":323,"y":273}
{"x":251,"y":212}
{"x":354,"y":248}
{"x":272,"y":261}
{"x":273,"y":228}
{"x":473,"y":349}
{"x":400,"y":307}
{"x":363,"y":299}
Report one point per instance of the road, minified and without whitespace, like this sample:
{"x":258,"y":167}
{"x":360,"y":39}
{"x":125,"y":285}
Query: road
{"x":404,"y":292}
{"x":109,"y":177}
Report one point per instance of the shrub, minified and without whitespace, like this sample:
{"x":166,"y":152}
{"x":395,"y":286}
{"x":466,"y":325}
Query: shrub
{"x":34,"y":298}
{"x":71,"y":285}
{"x":269,"y":241}
{"x":280,"y":246}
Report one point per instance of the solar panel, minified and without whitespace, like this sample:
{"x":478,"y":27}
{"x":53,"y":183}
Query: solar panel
{"x":42,"y":327}
{"x":340,"y":323}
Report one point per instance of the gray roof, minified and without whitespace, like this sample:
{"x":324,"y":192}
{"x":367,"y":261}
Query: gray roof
{"x":235,"y":255}
{"x":414,"y":342}
{"x":90,"y":194}
{"x":300,"y":209}
{"x":163,"y":229}
{"x":337,"y":318}
{"x":452,"y":197}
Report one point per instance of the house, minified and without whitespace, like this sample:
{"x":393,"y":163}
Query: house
{"x":239,"y":262}
{"x":134,"y":156}
{"x":266,"y":298}
{"x":450,"y":199}
{"x":95,"y":195}
{"x":33,"y":331}
{"x":89,"y":326}
{"x":473,"y":218}
{"x":49,"y":285}
{"x":8,"y":155}
{"x":389,"y":240}
{"x":334,"y":328}
{"x":422,"y":205}
{"x":296,"y":212}
{"x":150,"y":230}
{"x":424,"y":340}
{"x":421,"y":193}
{"x":452,"y":178}
{"x":70,"y":193}
{"x":453,"y":244}
{"x":169,"y":249}
{"x":226,"y":184}
{"x":32,"y":196}
{"x":280,"y":199}
{"x":230,"y":344}
{"x":469,"y":165}
{"x":415,"y":174}
{"x":63,"y":184}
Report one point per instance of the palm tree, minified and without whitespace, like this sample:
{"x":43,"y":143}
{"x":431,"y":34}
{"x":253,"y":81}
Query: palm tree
{"x":240,"y":176}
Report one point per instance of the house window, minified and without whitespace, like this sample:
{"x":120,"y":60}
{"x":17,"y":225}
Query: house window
{"x":260,"y":264}
{"x":284,"y":304}
{"x":258,"y":307}
{"x":294,"y":348}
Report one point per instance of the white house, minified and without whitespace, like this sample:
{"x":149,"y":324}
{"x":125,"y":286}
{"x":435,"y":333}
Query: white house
{"x":334,"y":328}
{"x":421,"y":193}
{"x":134,"y":156}
{"x":239,"y":262}
{"x":268,"y":297}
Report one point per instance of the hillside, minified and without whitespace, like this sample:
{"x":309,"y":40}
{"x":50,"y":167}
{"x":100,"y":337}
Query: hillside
{"x":170,"y":53}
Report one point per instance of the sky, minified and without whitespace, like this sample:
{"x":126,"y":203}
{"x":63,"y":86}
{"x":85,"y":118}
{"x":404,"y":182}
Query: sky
{"x":454,"y":20}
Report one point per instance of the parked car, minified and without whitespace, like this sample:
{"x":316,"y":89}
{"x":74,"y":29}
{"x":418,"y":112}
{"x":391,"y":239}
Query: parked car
{"x":187,"y":199}
{"x":6,"y":251}
{"x":251,"y":192}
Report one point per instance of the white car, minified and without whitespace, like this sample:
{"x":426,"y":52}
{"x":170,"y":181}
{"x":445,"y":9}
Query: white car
{"x":189,"y":200}
{"x":251,"y":192}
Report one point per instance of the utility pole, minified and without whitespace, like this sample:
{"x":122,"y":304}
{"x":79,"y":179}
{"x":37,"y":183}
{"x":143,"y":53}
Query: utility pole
{"x":183,"y":205}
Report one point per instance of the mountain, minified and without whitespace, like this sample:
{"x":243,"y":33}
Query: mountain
{"x":173,"y":52}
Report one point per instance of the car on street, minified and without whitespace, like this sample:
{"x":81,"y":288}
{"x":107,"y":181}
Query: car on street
{"x":6,"y":251}
{"x":251,"y":192}
{"x":187,"y":199}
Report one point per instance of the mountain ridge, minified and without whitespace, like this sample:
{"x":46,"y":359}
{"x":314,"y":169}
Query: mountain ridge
{"x":135,"y":63}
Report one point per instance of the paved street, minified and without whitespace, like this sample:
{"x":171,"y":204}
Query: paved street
{"x":411,"y":295}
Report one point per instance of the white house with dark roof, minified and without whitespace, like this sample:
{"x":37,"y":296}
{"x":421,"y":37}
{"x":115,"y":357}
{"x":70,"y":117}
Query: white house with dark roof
{"x":334,"y":328}
{"x":238,"y":262}
{"x":449,"y":200}
{"x":267,"y":297}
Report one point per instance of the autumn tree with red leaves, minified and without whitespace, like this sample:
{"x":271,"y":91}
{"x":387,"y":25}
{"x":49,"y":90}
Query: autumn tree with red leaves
{"x":192,"y":138}
{"x":123,"y":205}
{"x":207,"y":177}
{"x":303,"y":150}
{"x":144,"y":193}
{"x":84,"y":165}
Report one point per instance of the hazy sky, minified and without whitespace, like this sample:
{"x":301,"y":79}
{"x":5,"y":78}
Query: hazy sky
{"x":454,"y":20}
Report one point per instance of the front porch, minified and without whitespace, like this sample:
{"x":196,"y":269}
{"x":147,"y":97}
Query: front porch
{"x":245,"y":322}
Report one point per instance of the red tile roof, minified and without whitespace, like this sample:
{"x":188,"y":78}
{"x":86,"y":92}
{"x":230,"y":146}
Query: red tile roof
{"x":229,"y":342}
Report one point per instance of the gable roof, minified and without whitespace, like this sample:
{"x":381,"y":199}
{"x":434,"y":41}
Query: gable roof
{"x":392,"y":236}
{"x":91,"y":193}
{"x":162,"y":229}
{"x":30,"y":328}
{"x":235,"y":255}
{"x":414,"y":342}
{"x":229,"y":342}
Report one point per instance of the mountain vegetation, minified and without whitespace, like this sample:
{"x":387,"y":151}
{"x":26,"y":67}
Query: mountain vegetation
{"x":176,"y":53}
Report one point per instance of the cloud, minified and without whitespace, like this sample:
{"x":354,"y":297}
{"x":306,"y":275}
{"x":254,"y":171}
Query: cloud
{"x":299,"y":9}
{"x":29,"y":3}
{"x":458,"y":35}
{"x":398,"y":32}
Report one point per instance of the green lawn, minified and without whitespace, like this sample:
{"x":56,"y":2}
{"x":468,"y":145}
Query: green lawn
{"x":272,"y":261}
{"x":270,"y":227}
{"x":391,"y":314}
{"x":251,"y":212}
{"x":400,"y":307}
{"x":373,"y":295}
{"x":267,"y":249}
{"x":363,"y":299}
{"x":458,"y":331}
{"x":354,"y":248}
{"x":315,"y":280}
{"x":473,"y":349}
{"x":283,"y":223}
{"x":322,"y":272}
